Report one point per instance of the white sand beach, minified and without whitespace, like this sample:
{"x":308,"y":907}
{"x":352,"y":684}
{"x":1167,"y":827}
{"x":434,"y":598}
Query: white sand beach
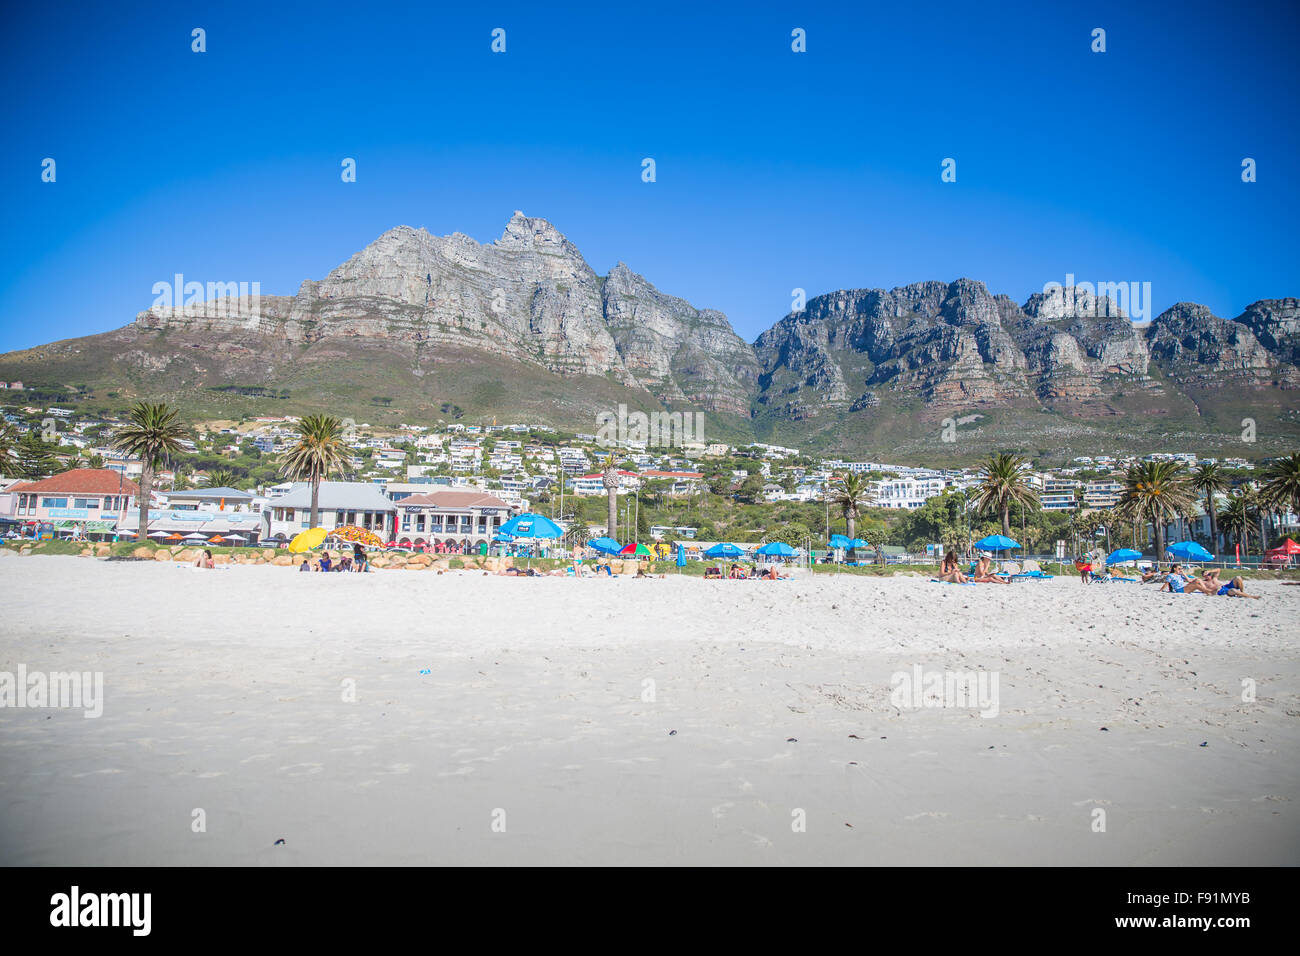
{"x":224,"y":691}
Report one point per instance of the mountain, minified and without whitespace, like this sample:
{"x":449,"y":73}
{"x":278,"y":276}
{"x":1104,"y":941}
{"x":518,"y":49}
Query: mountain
{"x":418,"y":327}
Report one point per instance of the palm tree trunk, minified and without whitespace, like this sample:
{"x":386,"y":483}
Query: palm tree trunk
{"x":315,"y":501}
{"x":1160,"y":539}
{"x":1214,"y":526}
{"x":612,"y":523}
{"x":1006,"y":520}
{"x":146,"y":486}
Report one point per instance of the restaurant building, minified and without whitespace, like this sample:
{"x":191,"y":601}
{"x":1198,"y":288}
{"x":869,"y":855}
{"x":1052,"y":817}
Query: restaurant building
{"x":450,"y":519}
{"x":84,"y":500}
{"x":359,"y":503}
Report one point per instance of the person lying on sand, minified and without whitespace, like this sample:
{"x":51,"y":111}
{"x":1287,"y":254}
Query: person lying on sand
{"x":712,"y":573}
{"x":950,"y":571}
{"x":1154,"y":574}
{"x":1236,"y":588}
{"x":205,"y":560}
{"x":984,"y":572}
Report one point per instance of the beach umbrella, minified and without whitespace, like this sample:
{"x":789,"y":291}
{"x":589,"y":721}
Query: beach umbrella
{"x":724,"y":549}
{"x":776,"y":549}
{"x":306,"y":540}
{"x":194,"y":537}
{"x":529,"y":525}
{"x":1122,"y":554}
{"x":996,"y":542}
{"x":215,"y":538}
{"x":502,"y":536}
{"x":636,"y":549}
{"x":356,"y":535}
{"x":1189,"y":551}
{"x":235,"y":537}
{"x":162,"y":534}
{"x":839,"y":541}
{"x":175,"y":536}
{"x":1287,"y":547}
{"x":605,"y":545}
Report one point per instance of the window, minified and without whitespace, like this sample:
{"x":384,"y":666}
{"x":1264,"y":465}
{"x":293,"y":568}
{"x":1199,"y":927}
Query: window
{"x":419,"y":522}
{"x":87,"y":503}
{"x":54,"y":502}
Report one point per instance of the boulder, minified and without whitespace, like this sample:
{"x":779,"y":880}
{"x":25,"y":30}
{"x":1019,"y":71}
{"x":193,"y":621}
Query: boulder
{"x":285,"y":561}
{"x":268,"y":554}
{"x":162,"y":554}
{"x":103,"y":550}
{"x":221,"y":559}
{"x":142,"y":552}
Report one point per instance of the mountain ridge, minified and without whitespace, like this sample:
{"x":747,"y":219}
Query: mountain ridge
{"x":524,"y":325}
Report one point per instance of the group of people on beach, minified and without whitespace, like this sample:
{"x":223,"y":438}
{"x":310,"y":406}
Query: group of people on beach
{"x":1178,"y":581}
{"x":356,"y":561}
{"x":984,"y":572}
{"x":738,"y":573}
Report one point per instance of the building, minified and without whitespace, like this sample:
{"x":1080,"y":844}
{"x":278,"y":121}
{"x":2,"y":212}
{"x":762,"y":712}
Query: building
{"x":594,"y":484}
{"x":84,"y":499}
{"x":359,"y":503}
{"x":209,"y":499}
{"x":456,"y":519}
{"x":1102,"y":493}
{"x":906,"y":492}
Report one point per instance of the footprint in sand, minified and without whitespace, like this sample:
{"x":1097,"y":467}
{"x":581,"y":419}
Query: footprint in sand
{"x":302,"y":769}
{"x":932,"y":814}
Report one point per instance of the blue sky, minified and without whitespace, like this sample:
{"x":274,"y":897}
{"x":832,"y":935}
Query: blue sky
{"x":775,"y":170}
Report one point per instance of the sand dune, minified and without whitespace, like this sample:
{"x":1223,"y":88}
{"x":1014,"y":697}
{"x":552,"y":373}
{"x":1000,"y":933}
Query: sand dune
{"x":536,"y":721}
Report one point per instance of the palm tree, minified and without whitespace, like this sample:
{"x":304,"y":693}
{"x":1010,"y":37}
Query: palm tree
{"x":852,"y":495}
{"x":153,"y":431}
{"x":1280,"y":489}
{"x":1003,"y":483}
{"x":1238,"y":519}
{"x":222,"y":478}
{"x":318,"y":453}
{"x":1209,"y":480}
{"x":609,"y":478}
{"x":1156,"y":491}
{"x":8,"y":442}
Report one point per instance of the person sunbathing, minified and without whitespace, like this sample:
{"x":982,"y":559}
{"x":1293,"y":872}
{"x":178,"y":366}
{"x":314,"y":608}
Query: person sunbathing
{"x":1154,"y":574}
{"x":713,"y":573}
{"x":205,"y":560}
{"x":949,"y":570}
{"x":984,"y":572}
{"x":1236,"y":588}
{"x":1176,"y":581}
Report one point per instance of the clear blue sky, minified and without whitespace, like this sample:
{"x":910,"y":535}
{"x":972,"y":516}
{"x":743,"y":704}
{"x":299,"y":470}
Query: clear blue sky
{"x":818,"y":170}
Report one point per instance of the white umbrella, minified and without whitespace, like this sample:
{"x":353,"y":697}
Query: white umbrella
{"x":160,"y":534}
{"x":195,"y":537}
{"x":234,"y":537}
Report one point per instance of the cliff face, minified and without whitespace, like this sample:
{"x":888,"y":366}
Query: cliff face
{"x":529,"y":297}
{"x":525,"y":325}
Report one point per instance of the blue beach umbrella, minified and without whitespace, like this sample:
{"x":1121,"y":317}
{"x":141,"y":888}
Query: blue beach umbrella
{"x":724,"y":549}
{"x":529,"y":525}
{"x":1123,"y":554}
{"x":1189,"y":551}
{"x":605,"y":545}
{"x":839,"y":541}
{"x":996,"y":542}
{"x":776,"y":549}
